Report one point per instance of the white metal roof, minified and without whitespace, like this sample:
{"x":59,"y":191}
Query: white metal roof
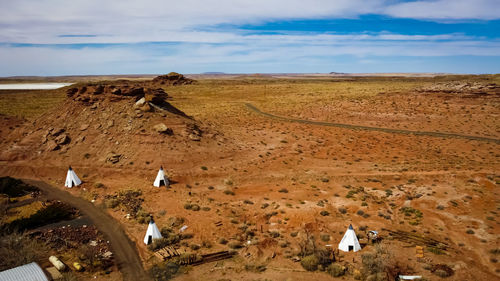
{"x":28,"y":272}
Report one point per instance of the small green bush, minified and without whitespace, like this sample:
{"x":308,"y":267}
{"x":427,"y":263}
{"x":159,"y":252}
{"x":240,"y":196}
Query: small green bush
{"x":310,"y":263}
{"x":336,"y":270}
{"x":255,"y":267}
{"x":441,"y":273}
{"x":325,"y":237}
{"x":112,"y":203}
{"x":274,"y":234}
{"x":228,"y":192}
{"x":435,"y":250}
{"x":164,"y":271}
{"x":158,"y":244}
{"x":234,"y":245}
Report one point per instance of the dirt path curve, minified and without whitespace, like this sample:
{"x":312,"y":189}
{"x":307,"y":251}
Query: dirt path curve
{"x":379,"y":129}
{"x":124,"y":250}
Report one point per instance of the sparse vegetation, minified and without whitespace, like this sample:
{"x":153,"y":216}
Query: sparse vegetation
{"x":17,"y":249}
{"x":52,"y":213}
{"x":336,"y":270}
{"x":310,"y":263}
{"x":164,"y":271}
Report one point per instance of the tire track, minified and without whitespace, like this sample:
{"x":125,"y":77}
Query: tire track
{"x":368,"y":128}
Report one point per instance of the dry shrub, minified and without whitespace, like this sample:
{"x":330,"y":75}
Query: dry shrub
{"x":255,"y":267}
{"x":164,"y":271}
{"x":159,"y":243}
{"x":379,"y":264}
{"x":18,"y":249}
{"x":336,"y":270}
{"x":442,"y":270}
{"x":235,"y":245}
{"x":310,"y":263}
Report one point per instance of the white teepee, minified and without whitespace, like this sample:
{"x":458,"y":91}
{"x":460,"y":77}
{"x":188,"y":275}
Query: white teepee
{"x":349,"y":242}
{"x":161,"y":179}
{"x":152,"y":233}
{"x":72,"y":179}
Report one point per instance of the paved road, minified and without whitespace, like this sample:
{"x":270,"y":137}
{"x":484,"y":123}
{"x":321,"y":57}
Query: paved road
{"x":124,"y":250}
{"x":379,"y":129}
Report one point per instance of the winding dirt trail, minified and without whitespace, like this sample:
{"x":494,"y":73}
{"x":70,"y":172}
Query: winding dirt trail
{"x":368,"y":128}
{"x":124,"y":250}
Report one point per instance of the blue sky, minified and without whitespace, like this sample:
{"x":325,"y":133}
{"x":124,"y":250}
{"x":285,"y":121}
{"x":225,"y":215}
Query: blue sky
{"x":52,"y":37}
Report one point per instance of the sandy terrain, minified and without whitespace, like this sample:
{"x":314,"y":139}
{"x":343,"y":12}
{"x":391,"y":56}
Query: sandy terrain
{"x":274,"y":177}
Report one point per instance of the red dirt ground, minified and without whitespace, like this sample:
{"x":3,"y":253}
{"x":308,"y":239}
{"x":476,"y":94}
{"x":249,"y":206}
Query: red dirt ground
{"x":257,"y":157}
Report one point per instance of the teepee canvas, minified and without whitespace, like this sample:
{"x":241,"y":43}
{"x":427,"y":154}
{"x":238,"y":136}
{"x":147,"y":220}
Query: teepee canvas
{"x":161,"y":179}
{"x":349,"y":242}
{"x":72,"y":179}
{"x":152,"y":233}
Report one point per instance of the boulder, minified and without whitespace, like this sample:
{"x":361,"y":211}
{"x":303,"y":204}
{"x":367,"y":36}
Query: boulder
{"x":163,"y":129}
{"x":113,"y":158}
{"x":145,"y":108}
{"x":137,"y":91}
{"x":52,"y":146}
{"x":71,"y":92}
{"x":56,"y":132}
{"x":116,"y":91}
{"x":80,"y":139}
{"x":194,"y":137}
{"x":142,"y":105}
{"x":99,"y":90}
{"x":62,"y":139}
{"x":84,"y":127}
{"x":193,"y":132}
{"x":156,"y":96}
{"x":140,"y":102}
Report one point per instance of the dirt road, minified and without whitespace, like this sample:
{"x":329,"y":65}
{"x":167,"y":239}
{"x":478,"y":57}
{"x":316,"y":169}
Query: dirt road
{"x":124,"y":250}
{"x":380,"y":129}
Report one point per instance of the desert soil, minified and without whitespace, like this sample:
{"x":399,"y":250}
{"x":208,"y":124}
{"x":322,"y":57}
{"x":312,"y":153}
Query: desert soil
{"x":275,"y":176}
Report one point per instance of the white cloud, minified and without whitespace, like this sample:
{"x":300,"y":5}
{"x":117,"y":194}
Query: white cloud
{"x":42,"y":21}
{"x":127,"y":22}
{"x":446,"y":9}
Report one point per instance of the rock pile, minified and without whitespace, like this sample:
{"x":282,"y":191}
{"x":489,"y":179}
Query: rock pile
{"x":193,"y":132}
{"x":55,"y":138}
{"x":461,"y":87}
{"x":173,"y":78}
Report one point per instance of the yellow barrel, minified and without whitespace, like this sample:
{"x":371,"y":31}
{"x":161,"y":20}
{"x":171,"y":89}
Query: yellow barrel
{"x":77,"y":266}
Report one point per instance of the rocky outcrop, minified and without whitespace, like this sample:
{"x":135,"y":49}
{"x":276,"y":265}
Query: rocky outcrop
{"x":173,"y":78}
{"x":193,"y":132}
{"x":460,"y":87}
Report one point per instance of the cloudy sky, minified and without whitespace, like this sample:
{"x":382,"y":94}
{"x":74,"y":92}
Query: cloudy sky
{"x":55,"y":37}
